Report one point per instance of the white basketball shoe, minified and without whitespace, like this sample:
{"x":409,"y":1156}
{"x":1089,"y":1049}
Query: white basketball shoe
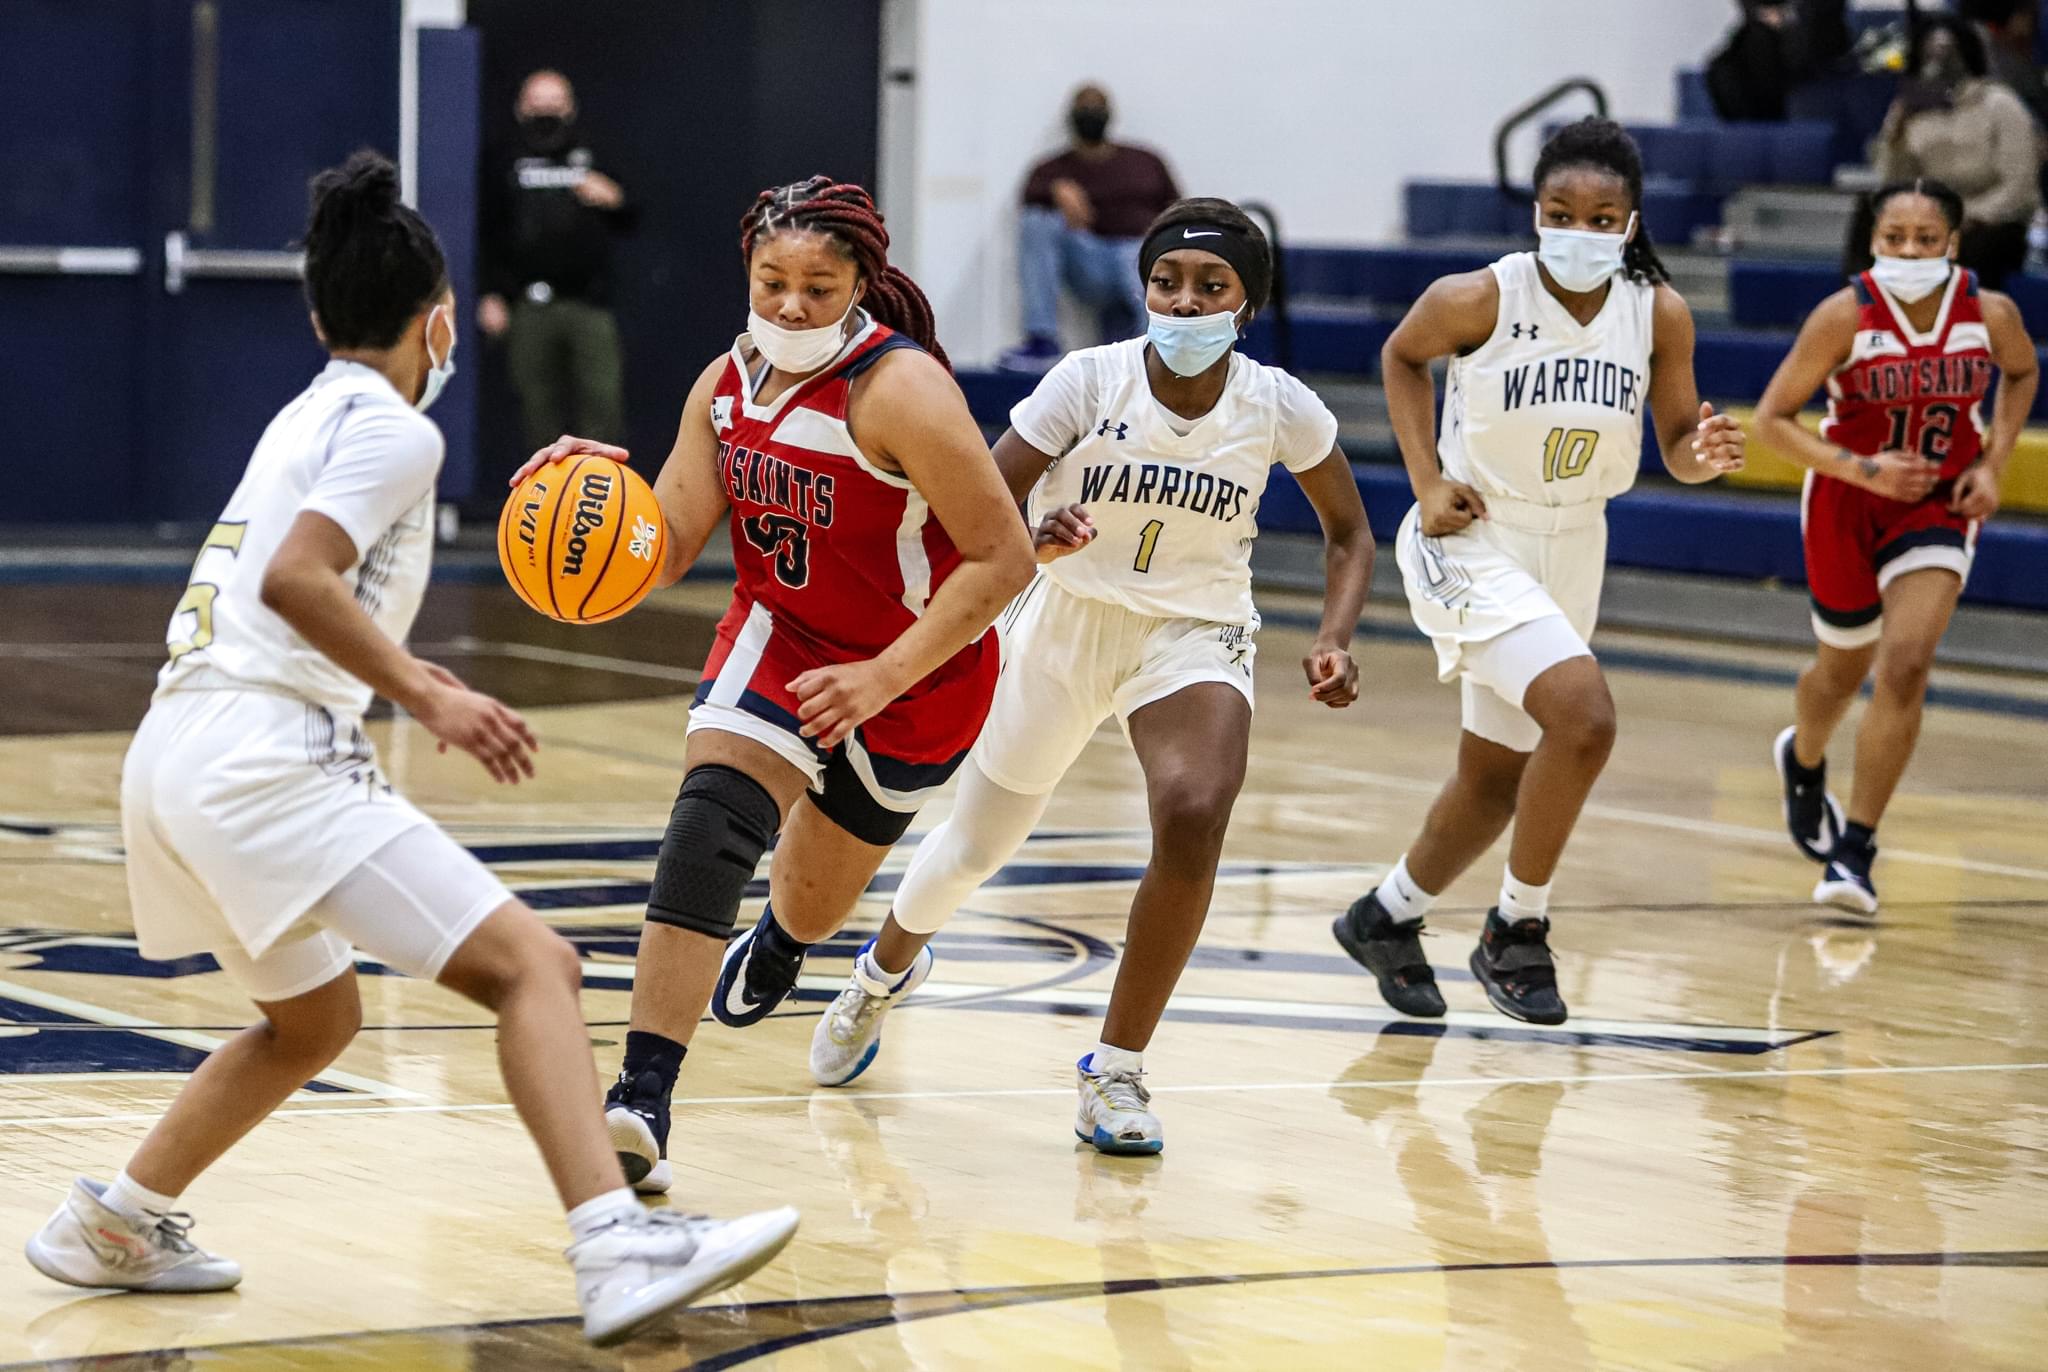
{"x":848,"y":1037}
{"x":1113,"y":1114}
{"x":86,"y":1243}
{"x":631,"y":1273}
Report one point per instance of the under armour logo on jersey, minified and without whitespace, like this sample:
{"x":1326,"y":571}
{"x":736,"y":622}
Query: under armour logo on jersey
{"x":1530,"y":327}
{"x":721,"y":412}
{"x":1103,"y":432}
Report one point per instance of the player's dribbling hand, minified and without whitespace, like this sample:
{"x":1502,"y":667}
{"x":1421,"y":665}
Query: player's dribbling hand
{"x":1062,"y":532}
{"x":568,"y":445}
{"x":488,"y":730}
{"x":833,"y":701}
{"x":1898,"y":475}
{"x":1718,"y":442}
{"x":1332,"y":676}
{"x":1448,"y":506}
{"x":1976,"y":493}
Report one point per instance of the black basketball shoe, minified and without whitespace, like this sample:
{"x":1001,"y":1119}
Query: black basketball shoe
{"x":1513,"y":963}
{"x":760,"y":970}
{"x":1812,"y":815}
{"x":1846,"y":884}
{"x":1392,"y":952}
{"x":636,"y":1116}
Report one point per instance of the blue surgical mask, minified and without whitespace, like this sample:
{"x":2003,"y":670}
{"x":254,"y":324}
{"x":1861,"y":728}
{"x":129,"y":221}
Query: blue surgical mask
{"x":438,"y":373}
{"x":1580,"y":260}
{"x":1189,"y":345}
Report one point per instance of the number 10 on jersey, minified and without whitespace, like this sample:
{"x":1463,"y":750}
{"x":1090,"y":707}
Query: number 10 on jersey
{"x":1568,"y":452}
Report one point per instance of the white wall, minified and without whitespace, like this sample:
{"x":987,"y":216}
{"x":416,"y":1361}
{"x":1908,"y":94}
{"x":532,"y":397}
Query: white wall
{"x":1321,"y":108}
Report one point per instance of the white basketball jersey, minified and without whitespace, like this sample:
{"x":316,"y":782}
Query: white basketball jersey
{"x":1548,"y":410}
{"x":1175,"y":513}
{"x":350,"y":448}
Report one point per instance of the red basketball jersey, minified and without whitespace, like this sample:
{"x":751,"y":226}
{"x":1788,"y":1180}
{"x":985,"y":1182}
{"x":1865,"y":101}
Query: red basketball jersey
{"x":843,"y":554}
{"x":1922,"y":393}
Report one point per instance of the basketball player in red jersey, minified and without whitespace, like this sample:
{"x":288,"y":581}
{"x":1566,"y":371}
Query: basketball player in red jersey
{"x":874,"y":543}
{"x":1904,"y":470}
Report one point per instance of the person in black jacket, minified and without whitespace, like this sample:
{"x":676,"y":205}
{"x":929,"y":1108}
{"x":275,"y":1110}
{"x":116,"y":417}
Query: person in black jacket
{"x":549,"y":218}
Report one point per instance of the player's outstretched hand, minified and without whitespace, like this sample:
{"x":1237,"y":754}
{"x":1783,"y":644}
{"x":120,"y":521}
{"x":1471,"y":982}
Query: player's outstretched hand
{"x":489,"y":731}
{"x":1062,"y":532}
{"x":568,"y":445}
{"x":1976,"y":493}
{"x":1720,"y":442}
{"x":1448,"y":506}
{"x":833,"y":701}
{"x":1332,"y":676}
{"x":1898,"y":475}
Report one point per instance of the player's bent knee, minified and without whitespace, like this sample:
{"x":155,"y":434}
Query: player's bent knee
{"x":313,"y":1034}
{"x":1192,"y":814}
{"x":722,"y":822}
{"x":1903,"y":675}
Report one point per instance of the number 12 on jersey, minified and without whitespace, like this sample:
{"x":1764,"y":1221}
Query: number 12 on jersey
{"x":1568,"y":452}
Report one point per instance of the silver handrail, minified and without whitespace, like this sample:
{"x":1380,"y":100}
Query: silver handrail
{"x":182,"y":263}
{"x":27,"y":260}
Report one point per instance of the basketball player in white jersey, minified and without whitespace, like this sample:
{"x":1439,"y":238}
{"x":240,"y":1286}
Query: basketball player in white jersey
{"x":1144,"y":461}
{"x":1553,"y":354}
{"x":259,"y":829}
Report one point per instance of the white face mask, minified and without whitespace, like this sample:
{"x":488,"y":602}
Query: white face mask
{"x":1579,"y":259}
{"x":1911,"y":278}
{"x":798,"y":351}
{"x":438,"y":373}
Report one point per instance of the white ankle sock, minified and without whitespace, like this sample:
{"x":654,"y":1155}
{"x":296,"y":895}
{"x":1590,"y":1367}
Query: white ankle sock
{"x":1521,"y":900}
{"x":1401,"y":898}
{"x":127,"y":1196}
{"x":1105,"y":1058}
{"x":874,"y":978}
{"x":601,"y":1210}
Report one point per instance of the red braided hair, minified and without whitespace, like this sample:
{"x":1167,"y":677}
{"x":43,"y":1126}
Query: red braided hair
{"x":846,"y":213}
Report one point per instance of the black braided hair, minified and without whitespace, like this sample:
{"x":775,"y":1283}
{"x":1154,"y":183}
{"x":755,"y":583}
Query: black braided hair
{"x":1204,"y":209}
{"x":371,"y":263}
{"x":846,"y":214}
{"x":1605,"y":146}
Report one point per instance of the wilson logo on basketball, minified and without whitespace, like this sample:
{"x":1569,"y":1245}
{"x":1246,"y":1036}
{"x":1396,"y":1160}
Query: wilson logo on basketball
{"x":590,"y":508}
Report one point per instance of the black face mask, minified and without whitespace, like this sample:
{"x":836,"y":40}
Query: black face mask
{"x":545,"y":132}
{"x":1089,"y":124}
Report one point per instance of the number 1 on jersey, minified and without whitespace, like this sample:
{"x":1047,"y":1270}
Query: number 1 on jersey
{"x":1148,"y":539}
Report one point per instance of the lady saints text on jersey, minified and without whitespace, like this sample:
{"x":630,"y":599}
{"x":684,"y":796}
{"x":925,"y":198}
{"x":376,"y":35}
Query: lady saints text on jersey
{"x":1164,"y":483}
{"x":1572,"y":381}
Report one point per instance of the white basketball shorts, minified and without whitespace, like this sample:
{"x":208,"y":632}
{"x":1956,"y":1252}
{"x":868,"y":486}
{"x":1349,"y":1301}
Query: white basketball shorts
{"x":259,"y":829}
{"x":1070,"y":662}
{"x":1504,"y":600}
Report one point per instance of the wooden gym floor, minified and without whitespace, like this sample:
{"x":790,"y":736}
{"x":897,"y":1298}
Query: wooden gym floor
{"x":1768,"y":1138}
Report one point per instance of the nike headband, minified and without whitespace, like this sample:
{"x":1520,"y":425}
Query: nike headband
{"x":1247,"y":255}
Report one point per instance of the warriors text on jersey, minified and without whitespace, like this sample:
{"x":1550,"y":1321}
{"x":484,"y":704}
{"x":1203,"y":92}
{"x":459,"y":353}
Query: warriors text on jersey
{"x":1175,"y":501}
{"x":1905,"y":390}
{"x":1547,"y":410}
{"x":349,"y":448}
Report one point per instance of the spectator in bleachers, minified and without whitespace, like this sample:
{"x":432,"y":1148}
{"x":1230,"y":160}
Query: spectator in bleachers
{"x":2009,"y":28}
{"x":1778,"y":44}
{"x":1085,"y":213}
{"x":1952,"y":123}
{"x":548,"y":217}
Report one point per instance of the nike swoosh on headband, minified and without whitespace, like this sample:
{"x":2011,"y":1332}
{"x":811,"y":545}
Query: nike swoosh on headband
{"x":1201,"y":233}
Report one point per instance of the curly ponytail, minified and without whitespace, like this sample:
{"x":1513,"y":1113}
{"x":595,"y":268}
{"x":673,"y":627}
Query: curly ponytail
{"x":846,"y":214}
{"x":371,"y":262}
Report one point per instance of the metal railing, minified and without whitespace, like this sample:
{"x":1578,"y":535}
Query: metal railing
{"x":1530,"y":111}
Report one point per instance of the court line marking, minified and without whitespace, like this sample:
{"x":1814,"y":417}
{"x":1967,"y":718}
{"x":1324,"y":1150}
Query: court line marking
{"x":1583,"y":1079}
{"x":184,"y":1038}
{"x":1680,"y":823}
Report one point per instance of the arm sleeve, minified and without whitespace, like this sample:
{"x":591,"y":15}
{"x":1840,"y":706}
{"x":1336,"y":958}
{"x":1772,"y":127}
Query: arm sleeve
{"x":1306,"y":430}
{"x":381,"y":462}
{"x":2016,"y":159}
{"x":1053,"y":417}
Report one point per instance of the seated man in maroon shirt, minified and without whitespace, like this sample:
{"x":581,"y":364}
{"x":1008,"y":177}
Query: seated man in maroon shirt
{"x":1085,"y":211}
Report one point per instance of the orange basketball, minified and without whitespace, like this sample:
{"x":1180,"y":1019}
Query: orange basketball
{"x":581,"y":540}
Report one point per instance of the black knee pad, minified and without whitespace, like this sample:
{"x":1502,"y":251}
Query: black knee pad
{"x":722,"y":822}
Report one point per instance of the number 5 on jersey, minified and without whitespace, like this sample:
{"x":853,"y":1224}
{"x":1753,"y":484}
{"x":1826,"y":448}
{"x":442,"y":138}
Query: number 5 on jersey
{"x":200,"y":595}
